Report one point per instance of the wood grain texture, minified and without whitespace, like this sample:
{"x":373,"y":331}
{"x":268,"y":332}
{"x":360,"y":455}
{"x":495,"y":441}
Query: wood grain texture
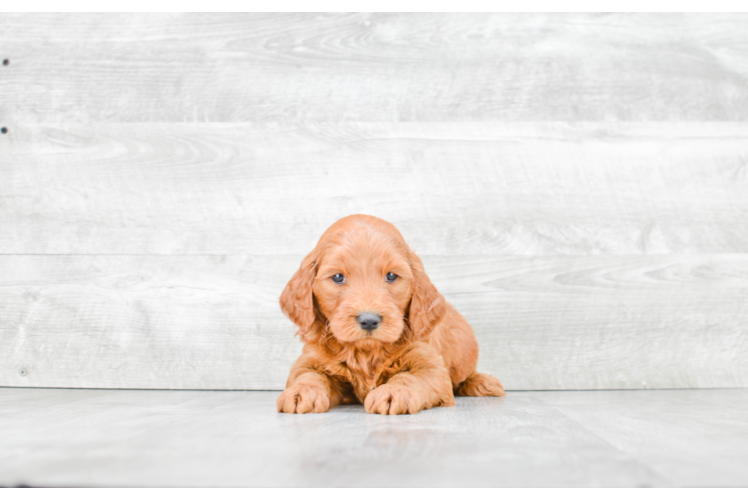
{"x":63,"y":437}
{"x":213,"y":322}
{"x":451,"y":188}
{"x":673,"y":434}
{"x":373,"y":67}
{"x":576,"y":182}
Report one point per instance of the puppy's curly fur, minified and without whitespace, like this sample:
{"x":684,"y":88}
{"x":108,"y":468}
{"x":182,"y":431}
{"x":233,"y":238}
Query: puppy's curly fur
{"x":420,"y":355}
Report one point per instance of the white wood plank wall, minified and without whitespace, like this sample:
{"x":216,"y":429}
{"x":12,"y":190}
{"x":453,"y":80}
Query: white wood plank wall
{"x":577,"y":185}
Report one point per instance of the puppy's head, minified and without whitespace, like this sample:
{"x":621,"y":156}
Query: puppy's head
{"x":364,"y":285}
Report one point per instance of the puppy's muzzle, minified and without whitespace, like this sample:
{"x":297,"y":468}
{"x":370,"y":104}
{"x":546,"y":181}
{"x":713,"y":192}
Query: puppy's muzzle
{"x":369,"y":321}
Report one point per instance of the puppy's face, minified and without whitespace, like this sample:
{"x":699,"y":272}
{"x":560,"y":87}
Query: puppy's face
{"x":359,"y":283}
{"x":363,"y":286}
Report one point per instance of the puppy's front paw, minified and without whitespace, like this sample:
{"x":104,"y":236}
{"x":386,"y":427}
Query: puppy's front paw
{"x":391,"y":399}
{"x":303,"y":398}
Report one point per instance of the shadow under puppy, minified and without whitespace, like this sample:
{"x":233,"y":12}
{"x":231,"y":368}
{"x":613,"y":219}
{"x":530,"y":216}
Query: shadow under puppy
{"x":375,"y":329}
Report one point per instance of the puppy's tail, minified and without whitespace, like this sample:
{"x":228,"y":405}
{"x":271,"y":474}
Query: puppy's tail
{"x":480,"y":385}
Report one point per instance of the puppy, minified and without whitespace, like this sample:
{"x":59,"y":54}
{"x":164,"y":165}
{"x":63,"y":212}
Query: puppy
{"x":375,"y":330}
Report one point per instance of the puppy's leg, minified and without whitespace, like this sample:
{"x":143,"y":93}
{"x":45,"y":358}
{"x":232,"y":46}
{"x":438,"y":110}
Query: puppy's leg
{"x":480,"y":384}
{"x":421,"y":383}
{"x":308,"y":390}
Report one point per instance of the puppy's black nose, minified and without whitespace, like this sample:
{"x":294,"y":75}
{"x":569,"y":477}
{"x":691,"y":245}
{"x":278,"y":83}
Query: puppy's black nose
{"x":369,"y":321}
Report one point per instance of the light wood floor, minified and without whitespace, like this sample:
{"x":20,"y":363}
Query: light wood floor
{"x":64,"y":437}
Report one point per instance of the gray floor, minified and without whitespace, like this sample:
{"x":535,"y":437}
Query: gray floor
{"x":62,"y":437}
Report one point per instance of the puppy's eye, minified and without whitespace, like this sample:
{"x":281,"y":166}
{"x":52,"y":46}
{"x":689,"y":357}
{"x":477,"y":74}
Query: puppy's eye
{"x":338,"y":278}
{"x":391,"y":277}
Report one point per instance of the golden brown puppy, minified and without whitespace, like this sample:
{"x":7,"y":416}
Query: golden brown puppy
{"x":375,"y":330}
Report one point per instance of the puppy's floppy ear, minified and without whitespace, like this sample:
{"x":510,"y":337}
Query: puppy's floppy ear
{"x":427,"y":307}
{"x":297,"y":301}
